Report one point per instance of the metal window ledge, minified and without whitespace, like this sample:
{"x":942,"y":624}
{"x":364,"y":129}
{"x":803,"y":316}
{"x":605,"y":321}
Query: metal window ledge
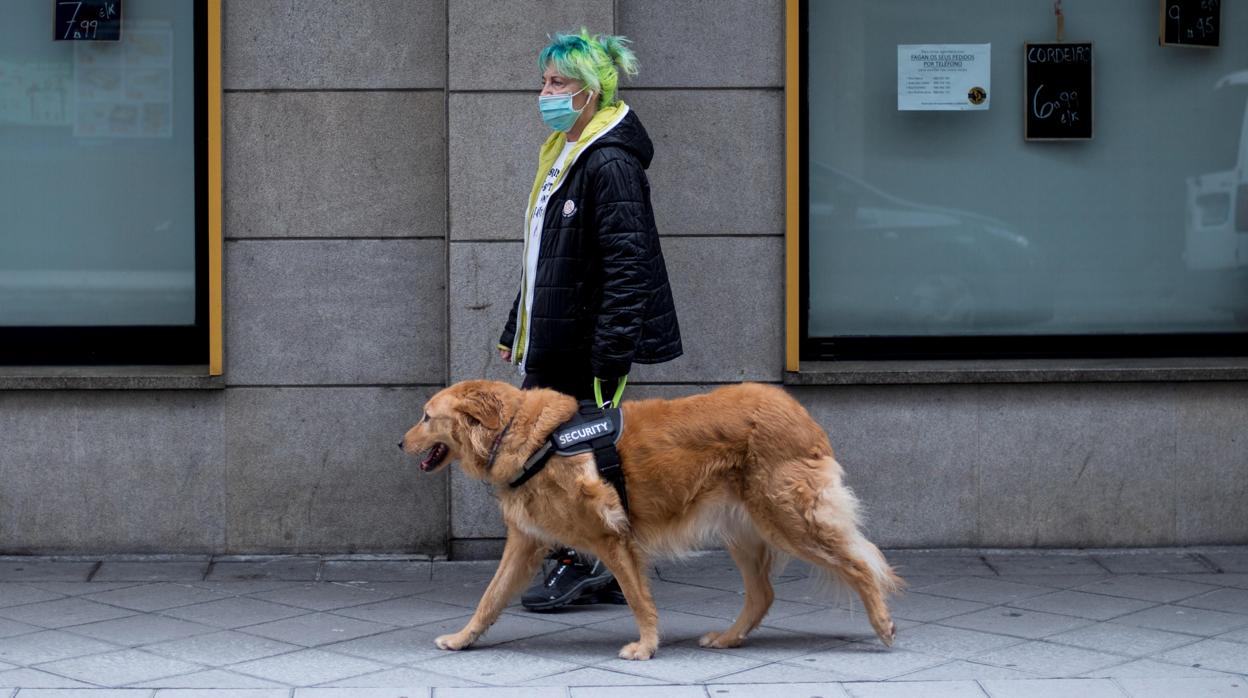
{"x":108,"y":378}
{"x":1019,"y":371}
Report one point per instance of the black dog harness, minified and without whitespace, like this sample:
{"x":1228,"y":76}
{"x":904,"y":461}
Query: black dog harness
{"x":592,"y":428}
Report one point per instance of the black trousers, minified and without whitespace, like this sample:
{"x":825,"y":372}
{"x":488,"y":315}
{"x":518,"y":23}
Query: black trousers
{"x":577,"y":382}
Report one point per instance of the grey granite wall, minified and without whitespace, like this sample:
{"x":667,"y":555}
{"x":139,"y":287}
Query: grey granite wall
{"x":335,"y":215}
{"x":375,"y":168}
{"x":335,"y":319}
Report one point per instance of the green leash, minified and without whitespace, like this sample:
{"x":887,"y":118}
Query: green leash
{"x":615,"y":399}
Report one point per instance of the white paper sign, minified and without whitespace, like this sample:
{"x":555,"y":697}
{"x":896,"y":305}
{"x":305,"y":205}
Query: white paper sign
{"x":943,"y":77}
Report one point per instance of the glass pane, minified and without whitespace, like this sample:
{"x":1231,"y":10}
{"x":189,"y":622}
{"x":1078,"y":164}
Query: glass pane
{"x":97,"y":176}
{"x":949,"y":223}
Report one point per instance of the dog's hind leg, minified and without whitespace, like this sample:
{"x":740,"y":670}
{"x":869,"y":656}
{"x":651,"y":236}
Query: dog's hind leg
{"x":522,"y":555}
{"x":625,"y":563}
{"x":753,"y":558}
{"x":814,"y":517}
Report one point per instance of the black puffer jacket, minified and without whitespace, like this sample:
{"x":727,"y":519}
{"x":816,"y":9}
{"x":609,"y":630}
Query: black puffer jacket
{"x":601,"y":291}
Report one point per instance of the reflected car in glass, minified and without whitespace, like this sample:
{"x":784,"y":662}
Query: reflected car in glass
{"x":881,"y":265}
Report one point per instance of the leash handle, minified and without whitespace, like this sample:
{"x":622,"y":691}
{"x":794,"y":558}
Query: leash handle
{"x":615,"y":399}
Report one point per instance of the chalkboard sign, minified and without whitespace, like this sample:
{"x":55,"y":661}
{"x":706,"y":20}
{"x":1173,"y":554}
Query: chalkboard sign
{"x":1057,"y":95}
{"x":86,"y":20}
{"x":1191,"y":23}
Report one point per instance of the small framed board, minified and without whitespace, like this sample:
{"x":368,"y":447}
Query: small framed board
{"x":1196,"y":23}
{"x":1057,"y":91}
{"x":86,"y":20}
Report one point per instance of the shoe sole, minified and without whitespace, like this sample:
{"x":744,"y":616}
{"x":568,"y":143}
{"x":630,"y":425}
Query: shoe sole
{"x":587,"y":585}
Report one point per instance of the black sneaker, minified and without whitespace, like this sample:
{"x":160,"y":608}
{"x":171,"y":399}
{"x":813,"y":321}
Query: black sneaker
{"x":610,"y":593}
{"x":571,"y":578}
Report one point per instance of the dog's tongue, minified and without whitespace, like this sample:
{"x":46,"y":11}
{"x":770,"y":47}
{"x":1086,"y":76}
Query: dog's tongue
{"x":435,"y":455}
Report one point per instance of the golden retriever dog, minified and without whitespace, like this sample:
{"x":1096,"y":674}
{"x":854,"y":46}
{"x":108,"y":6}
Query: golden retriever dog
{"x":744,"y":463}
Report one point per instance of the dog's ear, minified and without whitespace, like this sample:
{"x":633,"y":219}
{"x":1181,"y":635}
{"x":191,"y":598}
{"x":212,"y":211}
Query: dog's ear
{"x":482,"y":406}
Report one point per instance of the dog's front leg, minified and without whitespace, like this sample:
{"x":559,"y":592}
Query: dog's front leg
{"x":625,"y":563}
{"x":522,"y":555}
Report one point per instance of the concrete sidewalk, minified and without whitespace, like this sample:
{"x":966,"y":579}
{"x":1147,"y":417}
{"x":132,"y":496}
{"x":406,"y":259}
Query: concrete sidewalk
{"x":974,"y":623}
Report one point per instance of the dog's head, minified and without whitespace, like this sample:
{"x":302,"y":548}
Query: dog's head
{"x":460,"y":423}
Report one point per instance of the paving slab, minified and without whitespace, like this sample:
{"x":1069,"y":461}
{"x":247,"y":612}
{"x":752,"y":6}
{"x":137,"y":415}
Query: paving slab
{"x":224,"y":682}
{"x":402,"y":677}
{"x":1147,"y":588}
{"x":1218,"y":655}
{"x":323,"y":596}
{"x":235,"y":612}
{"x":1232,"y":600}
{"x":1237,"y":580}
{"x":510,"y":692}
{"x":1050,"y":660}
{"x":221,"y":648}
{"x":917,"y":689}
{"x":985,"y":589}
{"x":37,"y":570}
{"x":33,"y":678}
{"x":119,"y":669}
{"x":134,"y":571}
{"x":307,"y":668}
{"x":1169,"y":688}
{"x":1151,"y":668}
{"x":378,"y":571}
{"x":280,"y":569}
{"x":63,"y":613}
{"x":1046,"y":688}
{"x":498,"y":667}
{"x":795,"y":689}
{"x":1229,"y":559}
{"x":316,"y":629}
{"x":684,"y":665}
{"x":938,"y":562}
{"x":236,"y":692}
{"x":12,"y":628}
{"x":591,"y":676}
{"x":637,"y":692}
{"x":1152,"y":562}
{"x":1017,"y":622}
{"x":49,"y":646}
{"x":86,"y":693}
{"x":1122,"y":639}
{"x":965,"y":670}
{"x":1027,"y":623}
{"x":411,"y":692}
{"x":1083,"y":605}
{"x":155,"y":597}
{"x":864,"y":662}
{"x":1026,"y":564}
{"x":22,"y":594}
{"x":134,"y":631}
{"x":1194,"y":621}
{"x":955,"y":643}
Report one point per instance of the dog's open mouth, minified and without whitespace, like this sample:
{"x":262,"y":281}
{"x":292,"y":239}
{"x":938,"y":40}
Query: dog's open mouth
{"x":434,"y":456}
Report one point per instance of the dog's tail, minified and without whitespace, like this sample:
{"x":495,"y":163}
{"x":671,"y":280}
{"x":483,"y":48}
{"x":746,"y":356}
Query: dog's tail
{"x":838,"y":501}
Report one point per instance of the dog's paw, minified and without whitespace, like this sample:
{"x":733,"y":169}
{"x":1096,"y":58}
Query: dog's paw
{"x":636,"y":650}
{"x":457,"y":641}
{"x":720,"y":640}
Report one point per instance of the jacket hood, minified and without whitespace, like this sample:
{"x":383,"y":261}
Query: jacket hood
{"x":630,"y":135}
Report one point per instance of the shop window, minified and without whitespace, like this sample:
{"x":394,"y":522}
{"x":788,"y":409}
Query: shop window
{"x":932,"y":233}
{"x":104,"y":239}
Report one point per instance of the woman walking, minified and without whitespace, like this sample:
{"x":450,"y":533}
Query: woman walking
{"x":594,"y":296}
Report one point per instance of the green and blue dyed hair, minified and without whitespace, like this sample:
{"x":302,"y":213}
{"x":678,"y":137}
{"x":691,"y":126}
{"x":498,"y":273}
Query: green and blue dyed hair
{"x":596,"y":61}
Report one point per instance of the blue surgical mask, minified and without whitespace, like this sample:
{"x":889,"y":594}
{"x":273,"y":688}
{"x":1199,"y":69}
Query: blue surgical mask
{"x":557,"y":111}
